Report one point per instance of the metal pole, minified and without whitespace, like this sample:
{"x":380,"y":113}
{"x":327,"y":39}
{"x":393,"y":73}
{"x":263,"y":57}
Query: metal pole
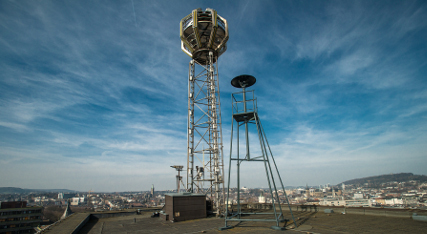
{"x":267,"y":174}
{"x":246,"y":124}
{"x":280,"y":178}
{"x":177,"y":181}
{"x":264,"y":138}
{"x":229,"y":171}
{"x":238,"y":170}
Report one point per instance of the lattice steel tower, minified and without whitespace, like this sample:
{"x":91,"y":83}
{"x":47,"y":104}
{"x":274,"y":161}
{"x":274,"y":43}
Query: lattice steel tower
{"x":204,"y":35}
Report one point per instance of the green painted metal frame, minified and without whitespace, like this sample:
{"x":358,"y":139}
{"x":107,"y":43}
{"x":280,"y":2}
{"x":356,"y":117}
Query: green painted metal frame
{"x":265,"y":157}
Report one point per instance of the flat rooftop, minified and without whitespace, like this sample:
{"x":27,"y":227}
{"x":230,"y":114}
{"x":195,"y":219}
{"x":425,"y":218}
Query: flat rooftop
{"x":67,"y":225}
{"x":308,"y":222}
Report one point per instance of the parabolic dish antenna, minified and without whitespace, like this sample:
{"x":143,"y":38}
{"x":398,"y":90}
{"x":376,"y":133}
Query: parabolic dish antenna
{"x":243,"y":81}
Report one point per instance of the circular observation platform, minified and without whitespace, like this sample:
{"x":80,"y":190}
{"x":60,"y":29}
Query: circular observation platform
{"x":243,"y":81}
{"x":202,"y":32}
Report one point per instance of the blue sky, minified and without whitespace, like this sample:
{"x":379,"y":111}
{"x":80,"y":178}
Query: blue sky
{"x":93,"y":94}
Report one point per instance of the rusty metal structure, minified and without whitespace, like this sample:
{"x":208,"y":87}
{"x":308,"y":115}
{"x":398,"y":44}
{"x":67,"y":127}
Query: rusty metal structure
{"x":204,"y":35}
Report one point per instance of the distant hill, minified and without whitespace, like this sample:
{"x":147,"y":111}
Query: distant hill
{"x":14,"y":190}
{"x":400,"y":177}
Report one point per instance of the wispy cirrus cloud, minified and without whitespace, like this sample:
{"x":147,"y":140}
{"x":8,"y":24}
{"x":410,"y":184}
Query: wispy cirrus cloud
{"x":95,"y":88}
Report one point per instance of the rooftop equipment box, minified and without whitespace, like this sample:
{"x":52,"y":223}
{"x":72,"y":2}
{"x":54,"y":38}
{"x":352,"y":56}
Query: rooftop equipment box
{"x":185,"y":206}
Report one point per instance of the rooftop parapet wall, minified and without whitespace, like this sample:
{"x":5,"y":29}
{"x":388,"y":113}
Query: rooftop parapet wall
{"x":384,"y":212}
{"x":417,"y":217}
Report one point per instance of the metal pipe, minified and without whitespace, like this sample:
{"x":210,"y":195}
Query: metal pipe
{"x":229,"y":171}
{"x":280,"y":179}
{"x":238,"y":172}
{"x":264,"y":138}
{"x":246,"y":123}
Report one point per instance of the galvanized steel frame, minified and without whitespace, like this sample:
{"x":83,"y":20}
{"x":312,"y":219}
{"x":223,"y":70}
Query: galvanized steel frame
{"x":205,"y":131}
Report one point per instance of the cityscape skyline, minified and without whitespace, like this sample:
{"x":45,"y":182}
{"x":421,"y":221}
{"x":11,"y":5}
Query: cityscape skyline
{"x":93,"y":95}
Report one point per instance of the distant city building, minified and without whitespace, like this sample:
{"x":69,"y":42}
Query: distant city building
{"x":358,"y":203}
{"x":358,"y":196}
{"x":261,"y":198}
{"x":394,"y":201}
{"x":410,"y":200}
{"x":75,"y":201}
{"x":152,"y":190}
{"x":348,"y":203}
{"x":318,"y":194}
{"x":300,"y":191}
{"x":68,"y":195}
{"x":312,"y":191}
{"x":16,"y":217}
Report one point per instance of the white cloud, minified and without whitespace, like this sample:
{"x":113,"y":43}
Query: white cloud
{"x":17,"y":127}
{"x":352,"y":63}
{"x":100,"y":92}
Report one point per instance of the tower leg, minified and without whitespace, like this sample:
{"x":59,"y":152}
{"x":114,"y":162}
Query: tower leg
{"x":190,"y":128}
{"x":229,"y":176}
